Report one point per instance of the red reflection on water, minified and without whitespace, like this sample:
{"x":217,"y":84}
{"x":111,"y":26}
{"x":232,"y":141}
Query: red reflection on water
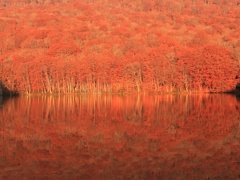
{"x":139,"y":137}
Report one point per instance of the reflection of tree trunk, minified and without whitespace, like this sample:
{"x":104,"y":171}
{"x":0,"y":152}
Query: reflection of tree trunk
{"x":156,"y":111}
{"x":139,"y":106}
{"x":134,"y":112}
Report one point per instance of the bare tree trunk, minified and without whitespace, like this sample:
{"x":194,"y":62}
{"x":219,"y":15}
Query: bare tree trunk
{"x":49,"y":89}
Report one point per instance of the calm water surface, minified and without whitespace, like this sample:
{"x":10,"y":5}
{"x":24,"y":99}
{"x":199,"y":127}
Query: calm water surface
{"x":113,"y":137}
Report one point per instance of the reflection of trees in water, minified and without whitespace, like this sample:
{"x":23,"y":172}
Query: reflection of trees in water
{"x":192,"y":112}
{"x":133,"y":109}
{"x":238,"y":98}
{"x":165,"y":132}
{"x":69,"y":108}
{"x":170,"y":111}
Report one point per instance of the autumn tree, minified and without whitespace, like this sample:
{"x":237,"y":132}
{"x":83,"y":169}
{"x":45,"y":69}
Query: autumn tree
{"x":134,"y":72}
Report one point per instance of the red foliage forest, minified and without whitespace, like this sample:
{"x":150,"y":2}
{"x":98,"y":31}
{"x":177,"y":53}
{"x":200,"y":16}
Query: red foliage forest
{"x":69,"y":46}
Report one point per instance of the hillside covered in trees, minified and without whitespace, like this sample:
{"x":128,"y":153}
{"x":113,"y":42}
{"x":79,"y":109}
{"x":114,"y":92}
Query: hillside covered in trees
{"x":70,"y":46}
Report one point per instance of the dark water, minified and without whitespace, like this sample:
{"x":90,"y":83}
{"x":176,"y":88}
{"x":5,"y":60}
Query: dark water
{"x":112,"y":137}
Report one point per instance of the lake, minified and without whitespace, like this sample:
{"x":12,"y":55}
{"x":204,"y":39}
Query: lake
{"x":115,"y":137}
